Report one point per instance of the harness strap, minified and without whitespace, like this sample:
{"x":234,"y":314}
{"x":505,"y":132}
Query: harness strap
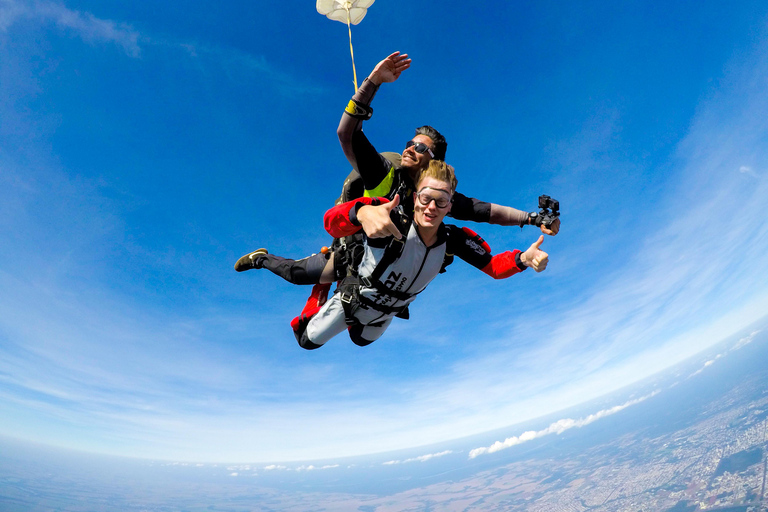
{"x":387,"y":310}
{"x":392,"y":252}
{"x":381,"y":288}
{"x":349,"y":288}
{"x":351,"y":300}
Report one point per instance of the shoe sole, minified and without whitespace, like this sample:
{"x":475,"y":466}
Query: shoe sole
{"x":246,"y":262}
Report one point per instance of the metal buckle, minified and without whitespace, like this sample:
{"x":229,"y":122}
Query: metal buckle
{"x":366,"y":281}
{"x":346,"y":298}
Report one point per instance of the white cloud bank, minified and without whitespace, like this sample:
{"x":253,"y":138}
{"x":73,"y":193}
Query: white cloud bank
{"x":746,"y":340}
{"x":557,"y":427}
{"x":420,"y":458}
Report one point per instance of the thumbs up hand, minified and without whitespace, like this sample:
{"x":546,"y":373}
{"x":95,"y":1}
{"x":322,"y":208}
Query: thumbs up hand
{"x":376,"y":222}
{"x":535,"y":257}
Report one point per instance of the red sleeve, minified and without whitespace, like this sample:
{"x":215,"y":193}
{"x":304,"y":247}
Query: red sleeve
{"x":470,"y":247}
{"x":503,"y":265}
{"x":337,"y":220}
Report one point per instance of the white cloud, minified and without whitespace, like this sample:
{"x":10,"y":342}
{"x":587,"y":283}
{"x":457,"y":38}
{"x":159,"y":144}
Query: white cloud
{"x":312,"y":467}
{"x":746,"y":340}
{"x":244,"y":467}
{"x":94,"y":30}
{"x":706,"y":364}
{"x":90,"y":28}
{"x":10,"y":11}
{"x":738,"y":345}
{"x":745,"y":169}
{"x":420,"y":458}
{"x":557,"y":427}
{"x":83,"y":24}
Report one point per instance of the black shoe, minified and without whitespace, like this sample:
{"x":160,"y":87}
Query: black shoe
{"x":252,"y":260}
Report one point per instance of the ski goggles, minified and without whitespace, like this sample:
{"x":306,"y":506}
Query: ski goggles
{"x":424,"y":198}
{"x":419,"y":147}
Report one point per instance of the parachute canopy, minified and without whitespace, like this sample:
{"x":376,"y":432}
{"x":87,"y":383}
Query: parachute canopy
{"x":345,"y":11}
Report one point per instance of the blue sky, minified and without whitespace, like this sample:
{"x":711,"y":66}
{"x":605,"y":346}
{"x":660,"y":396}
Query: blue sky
{"x":144,"y":148}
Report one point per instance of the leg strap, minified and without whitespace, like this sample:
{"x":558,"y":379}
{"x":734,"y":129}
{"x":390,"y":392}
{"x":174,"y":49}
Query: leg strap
{"x":349,"y":288}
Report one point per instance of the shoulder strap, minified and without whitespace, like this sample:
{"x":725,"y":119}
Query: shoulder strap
{"x":392,"y":252}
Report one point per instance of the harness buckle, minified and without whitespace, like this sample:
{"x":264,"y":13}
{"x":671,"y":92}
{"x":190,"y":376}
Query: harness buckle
{"x":346,"y":298}
{"x":365,"y":280}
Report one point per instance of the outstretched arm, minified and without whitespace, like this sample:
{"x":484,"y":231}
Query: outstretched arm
{"x":476,"y":251}
{"x":507,"y":216}
{"x":469,"y":208}
{"x":509,"y":263}
{"x":358,"y":109}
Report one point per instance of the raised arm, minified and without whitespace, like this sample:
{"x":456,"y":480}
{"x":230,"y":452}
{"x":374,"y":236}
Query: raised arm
{"x":359,"y":110}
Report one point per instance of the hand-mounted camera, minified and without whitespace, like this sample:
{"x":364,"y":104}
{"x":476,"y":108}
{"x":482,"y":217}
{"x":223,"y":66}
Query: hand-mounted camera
{"x":549,"y":211}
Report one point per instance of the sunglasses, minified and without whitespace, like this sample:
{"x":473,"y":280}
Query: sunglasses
{"x":425,"y":199}
{"x":419,"y":147}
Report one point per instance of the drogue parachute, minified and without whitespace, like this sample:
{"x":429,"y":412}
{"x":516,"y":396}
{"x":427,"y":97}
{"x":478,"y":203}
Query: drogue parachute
{"x":350,"y":12}
{"x":343,"y":10}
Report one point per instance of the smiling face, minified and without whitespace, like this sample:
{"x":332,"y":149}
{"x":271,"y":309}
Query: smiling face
{"x":414,"y":161}
{"x":432,"y":191}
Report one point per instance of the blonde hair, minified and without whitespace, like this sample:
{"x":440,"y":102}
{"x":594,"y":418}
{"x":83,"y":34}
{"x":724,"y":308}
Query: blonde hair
{"x":440,"y":171}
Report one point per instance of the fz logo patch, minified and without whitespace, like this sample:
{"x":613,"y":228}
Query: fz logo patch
{"x":392,"y":280}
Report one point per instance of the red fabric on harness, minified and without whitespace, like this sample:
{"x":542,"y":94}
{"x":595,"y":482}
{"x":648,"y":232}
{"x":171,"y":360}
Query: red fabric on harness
{"x":336,"y":220}
{"x":304,"y":318}
{"x":317,"y":298}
